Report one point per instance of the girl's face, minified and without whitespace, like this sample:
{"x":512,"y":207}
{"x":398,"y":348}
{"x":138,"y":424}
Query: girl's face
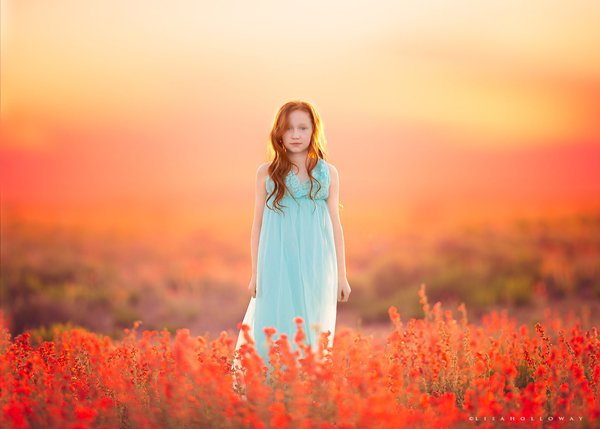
{"x":299,"y":131}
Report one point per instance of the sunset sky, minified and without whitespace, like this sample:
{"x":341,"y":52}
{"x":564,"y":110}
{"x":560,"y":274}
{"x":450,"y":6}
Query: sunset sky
{"x":153,"y":110}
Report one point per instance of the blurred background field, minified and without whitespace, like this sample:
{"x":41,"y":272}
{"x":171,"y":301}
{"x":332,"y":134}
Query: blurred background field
{"x":106,"y":281}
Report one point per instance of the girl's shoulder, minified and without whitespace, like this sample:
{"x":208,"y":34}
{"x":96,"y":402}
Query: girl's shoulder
{"x":326,"y":164}
{"x":330,"y":167}
{"x":262,"y":173}
{"x":263,"y":169}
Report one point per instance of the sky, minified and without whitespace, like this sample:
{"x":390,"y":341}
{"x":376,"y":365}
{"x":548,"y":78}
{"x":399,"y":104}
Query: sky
{"x":159,"y":112}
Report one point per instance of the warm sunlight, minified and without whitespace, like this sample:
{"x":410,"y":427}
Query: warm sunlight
{"x":458,"y":144}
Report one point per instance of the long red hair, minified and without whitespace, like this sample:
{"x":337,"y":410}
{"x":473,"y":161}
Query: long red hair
{"x":280,"y":165}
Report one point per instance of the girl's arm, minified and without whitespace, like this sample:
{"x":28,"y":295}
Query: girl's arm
{"x":259,"y":206}
{"x":338,"y":234}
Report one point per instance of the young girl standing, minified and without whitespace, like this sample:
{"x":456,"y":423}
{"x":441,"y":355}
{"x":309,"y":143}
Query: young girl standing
{"x":297,"y":242}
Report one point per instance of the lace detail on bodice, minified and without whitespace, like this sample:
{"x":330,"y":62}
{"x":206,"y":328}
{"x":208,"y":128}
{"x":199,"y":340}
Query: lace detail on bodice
{"x":301,"y":190}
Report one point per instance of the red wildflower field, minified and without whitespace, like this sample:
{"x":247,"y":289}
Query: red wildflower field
{"x":434,"y":372}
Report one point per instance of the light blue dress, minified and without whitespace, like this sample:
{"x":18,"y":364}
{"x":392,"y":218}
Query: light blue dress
{"x":296,"y":266}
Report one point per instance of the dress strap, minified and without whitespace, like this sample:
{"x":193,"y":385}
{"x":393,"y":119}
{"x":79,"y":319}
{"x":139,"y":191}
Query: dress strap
{"x":323,"y":172}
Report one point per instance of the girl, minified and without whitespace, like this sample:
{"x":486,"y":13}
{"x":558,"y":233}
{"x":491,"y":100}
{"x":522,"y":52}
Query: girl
{"x":297,"y":242}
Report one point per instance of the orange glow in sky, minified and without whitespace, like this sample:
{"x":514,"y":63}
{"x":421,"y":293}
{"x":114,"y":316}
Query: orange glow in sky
{"x":166,"y":107}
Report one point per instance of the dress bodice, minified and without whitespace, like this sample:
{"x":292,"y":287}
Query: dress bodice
{"x":300,"y":189}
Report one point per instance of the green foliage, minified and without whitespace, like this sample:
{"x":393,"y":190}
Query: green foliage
{"x":52,"y":276}
{"x":484,"y":268}
{"x":518,"y":290}
{"x":125,"y":316}
{"x":50,"y":333}
{"x":524,"y":375}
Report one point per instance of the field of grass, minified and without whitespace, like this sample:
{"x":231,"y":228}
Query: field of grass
{"x":126,"y":330}
{"x":525,"y":266}
{"x":105,"y":282}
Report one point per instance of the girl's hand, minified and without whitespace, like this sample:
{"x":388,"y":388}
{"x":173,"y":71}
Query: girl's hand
{"x":343,"y":290}
{"x":252,"y":286}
